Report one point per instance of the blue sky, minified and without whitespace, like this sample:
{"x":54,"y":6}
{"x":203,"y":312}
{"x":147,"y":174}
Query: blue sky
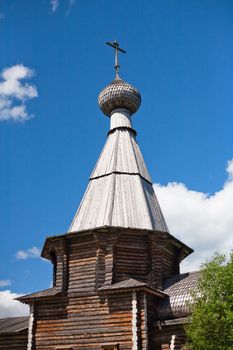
{"x":179,"y":55}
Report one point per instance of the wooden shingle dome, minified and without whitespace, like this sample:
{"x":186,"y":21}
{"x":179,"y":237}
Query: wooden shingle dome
{"x":119,"y":94}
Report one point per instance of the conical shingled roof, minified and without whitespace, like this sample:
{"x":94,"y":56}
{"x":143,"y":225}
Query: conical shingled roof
{"x":120,"y":191}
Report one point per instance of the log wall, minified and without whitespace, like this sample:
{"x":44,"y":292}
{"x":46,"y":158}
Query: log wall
{"x":82,"y":264}
{"x":87,"y":261}
{"x":81,"y":319}
{"x":14,"y":341}
{"x":58,"y":254}
{"x":169,"y":338}
{"x":84,"y":322}
{"x":131,"y":257}
{"x":155,"y":248}
{"x":170,"y":261}
{"x":143,"y":321}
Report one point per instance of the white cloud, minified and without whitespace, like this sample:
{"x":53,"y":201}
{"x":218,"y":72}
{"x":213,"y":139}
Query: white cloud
{"x":10,"y":307}
{"x":2,"y":16}
{"x":33,"y":252}
{"x":202,"y":221}
{"x":4,"y":283}
{"x":54,"y":4}
{"x":14,"y":94}
{"x":230,"y":169}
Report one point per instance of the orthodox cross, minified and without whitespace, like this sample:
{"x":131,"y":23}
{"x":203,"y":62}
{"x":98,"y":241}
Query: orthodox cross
{"x":115,"y":45}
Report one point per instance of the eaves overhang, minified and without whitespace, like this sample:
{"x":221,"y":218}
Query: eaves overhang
{"x":185,"y":249}
{"x":47,"y":293}
{"x":131,"y":285}
{"x":172,"y":322}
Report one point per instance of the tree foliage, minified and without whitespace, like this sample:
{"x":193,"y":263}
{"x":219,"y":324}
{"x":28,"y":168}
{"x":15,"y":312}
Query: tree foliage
{"x":211,"y":326}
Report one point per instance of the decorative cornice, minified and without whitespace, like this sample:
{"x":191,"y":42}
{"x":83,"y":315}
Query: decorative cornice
{"x":133,"y":131}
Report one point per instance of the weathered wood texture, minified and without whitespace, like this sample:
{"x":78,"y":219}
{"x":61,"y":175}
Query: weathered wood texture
{"x":155,"y":250}
{"x":57,"y":250}
{"x":170,"y":261}
{"x":164,"y":262}
{"x":131,"y":258}
{"x":142,"y":321}
{"x":14,"y":341}
{"x":82,"y":264}
{"x":81,"y":318}
{"x":151,"y":318}
{"x":88,"y":260}
{"x":145,"y":257}
{"x":168,"y":338}
{"x":84,"y":322}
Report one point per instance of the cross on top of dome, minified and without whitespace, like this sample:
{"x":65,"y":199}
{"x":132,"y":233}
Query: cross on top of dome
{"x":119,"y":94}
{"x":115,"y":45}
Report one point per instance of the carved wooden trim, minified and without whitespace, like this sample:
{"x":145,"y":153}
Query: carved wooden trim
{"x":172,"y":345}
{"x":31,"y":328}
{"x":134,"y":322}
{"x":145,"y":316}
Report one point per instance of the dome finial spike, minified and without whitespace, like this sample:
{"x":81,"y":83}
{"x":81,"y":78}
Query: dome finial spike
{"x":115,"y":45}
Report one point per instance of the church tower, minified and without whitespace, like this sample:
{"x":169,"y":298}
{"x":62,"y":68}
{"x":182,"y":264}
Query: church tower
{"x":112,"y":269}
{"x":120,"y":191}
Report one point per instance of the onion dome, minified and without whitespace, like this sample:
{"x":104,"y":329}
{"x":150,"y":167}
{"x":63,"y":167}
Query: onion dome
{"x":119,"y":94}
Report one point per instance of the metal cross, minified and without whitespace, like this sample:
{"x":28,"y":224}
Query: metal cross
{"x":115,"y":45}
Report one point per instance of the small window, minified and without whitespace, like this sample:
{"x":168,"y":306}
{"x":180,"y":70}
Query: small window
{"x":53,"y":255}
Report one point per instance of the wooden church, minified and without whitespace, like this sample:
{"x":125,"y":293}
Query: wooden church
{"x":116,"y":272}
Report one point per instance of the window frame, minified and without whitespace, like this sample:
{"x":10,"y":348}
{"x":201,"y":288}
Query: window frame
{"x":110,"y":346}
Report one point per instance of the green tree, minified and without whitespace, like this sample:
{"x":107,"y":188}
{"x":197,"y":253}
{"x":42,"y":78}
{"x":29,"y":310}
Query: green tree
{"x":211,"y":323}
